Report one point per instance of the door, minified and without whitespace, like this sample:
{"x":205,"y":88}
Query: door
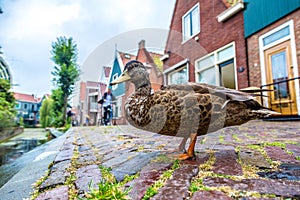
{"x":278,"y":70}
{"x":227,"y":78}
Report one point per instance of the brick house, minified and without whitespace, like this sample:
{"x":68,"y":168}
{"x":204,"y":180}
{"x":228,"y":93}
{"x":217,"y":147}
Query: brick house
{"x":274,"y":52}
{"x":89,"y":95}
{"x":236,"y":46}
{"x":206,"y":44}
{"x":28,"y":107}
{"x":88,"y":107}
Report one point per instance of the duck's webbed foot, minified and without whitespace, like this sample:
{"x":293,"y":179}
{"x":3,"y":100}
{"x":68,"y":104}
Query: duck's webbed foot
{"x":190,"y":154}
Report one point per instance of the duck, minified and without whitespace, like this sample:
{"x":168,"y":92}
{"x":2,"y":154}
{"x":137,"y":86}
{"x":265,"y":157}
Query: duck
{"x":185,"y":110}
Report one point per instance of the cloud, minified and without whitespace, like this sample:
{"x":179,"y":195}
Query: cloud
{"x":31,"y":26}
{"x":29,"y":19}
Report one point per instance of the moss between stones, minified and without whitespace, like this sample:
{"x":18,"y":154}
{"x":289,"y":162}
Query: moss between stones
{"x":205,"y":171}
{"x":153,"y":189}
{"x":70,"y":181}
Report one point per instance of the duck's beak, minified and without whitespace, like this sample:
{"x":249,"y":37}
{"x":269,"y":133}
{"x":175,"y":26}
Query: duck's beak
{"x":124,"y":77}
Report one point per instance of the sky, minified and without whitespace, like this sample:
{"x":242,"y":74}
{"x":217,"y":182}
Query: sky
{"x":98,"y":27}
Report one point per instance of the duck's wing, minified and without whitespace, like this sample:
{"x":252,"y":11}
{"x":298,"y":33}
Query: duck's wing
{"x":202,"y":88}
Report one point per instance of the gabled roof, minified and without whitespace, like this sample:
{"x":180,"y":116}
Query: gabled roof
{"x":147,"y":57}
{"x":106,"y":71}
{"x":126,"y":57}
{"x":26,"y":98}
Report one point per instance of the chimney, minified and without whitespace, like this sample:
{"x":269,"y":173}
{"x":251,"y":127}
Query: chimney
{"x":142,"y":44}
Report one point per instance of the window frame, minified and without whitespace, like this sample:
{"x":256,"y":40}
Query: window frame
{"x":189,"y":13}
{"x":114,"y":77}
{"x":176,"y":71}
{"x":216,"y":64}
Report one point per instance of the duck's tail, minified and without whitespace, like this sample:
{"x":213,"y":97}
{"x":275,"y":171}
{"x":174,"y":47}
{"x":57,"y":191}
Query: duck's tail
{"x":265,"y":112}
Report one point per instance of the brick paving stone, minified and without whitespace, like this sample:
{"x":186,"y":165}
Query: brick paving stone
{"x":253,"y":157}
{"x":287,"y":171}
{"x":86,"y":157}
{"x":59,"y":193}
{"x":219,"y":147}
{"x":129,"y":150}
{"x":294,"y":148}
{"x":264,"y":186}
{"x":177,"y":187}
{"x":228,"y":138}
{"x":110,"y":153}
{"x":210,"y":195}
{"x":118,"y":160}
{"x":66,"y":152}
{"x":261,"y":198}
{"x":278,"y":154}
{"x":88,"y":175}
{"x":148,"y":175}
{"x":226,"y":163}
{"x":58,"y":174}
{"x":83,"y":148}
{"x":133,"y":165}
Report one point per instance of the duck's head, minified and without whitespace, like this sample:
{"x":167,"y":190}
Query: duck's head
{"x":134,"y":72}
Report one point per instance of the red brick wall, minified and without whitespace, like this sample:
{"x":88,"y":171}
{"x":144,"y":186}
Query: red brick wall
{"x":213,"y":35}
{"x":253,"y":47}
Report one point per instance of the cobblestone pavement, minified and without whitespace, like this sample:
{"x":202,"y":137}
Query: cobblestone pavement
{"x":258,"y":160}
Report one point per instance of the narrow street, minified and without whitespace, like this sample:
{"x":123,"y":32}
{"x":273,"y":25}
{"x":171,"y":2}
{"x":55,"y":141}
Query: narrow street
{"x":258,"y":160}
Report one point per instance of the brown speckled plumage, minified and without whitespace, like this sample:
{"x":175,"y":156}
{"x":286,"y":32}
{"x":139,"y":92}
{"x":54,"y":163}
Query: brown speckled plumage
{"x":181,"y":110}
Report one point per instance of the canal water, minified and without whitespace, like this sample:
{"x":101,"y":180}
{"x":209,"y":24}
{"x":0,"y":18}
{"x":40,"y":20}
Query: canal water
{"x":20,"y":144}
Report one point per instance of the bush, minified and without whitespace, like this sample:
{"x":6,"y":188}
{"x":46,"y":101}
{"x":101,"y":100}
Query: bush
{"x":7,"y":105}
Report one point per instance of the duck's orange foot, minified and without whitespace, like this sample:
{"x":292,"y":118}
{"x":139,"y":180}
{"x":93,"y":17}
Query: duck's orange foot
{"x":186,"y":156}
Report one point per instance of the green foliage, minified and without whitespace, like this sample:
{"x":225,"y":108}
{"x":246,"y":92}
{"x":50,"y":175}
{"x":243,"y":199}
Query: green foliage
{"x":57,"y":107}
{"x":21,"y":121}
{"x":159,"y":64}
{"x":66,"y":71}
{"x":46,"y":111}
{"x":232,"y":2}
{"x":108,"y":188}
{"x":106,"y":191}
{"x":7,"y":105}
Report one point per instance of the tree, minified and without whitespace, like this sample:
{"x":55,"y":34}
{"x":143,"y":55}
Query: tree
{"x":57,"y":107}
{"x":7,"y":105}
{"x":46,"y":112}
{"x":66,"y":71}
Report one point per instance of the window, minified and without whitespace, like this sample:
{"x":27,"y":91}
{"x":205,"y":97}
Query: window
{"x":18,"y":105}
{"x":115,"y":76}
{"x":276,"y":36}
{"x":206,"y":70}
{"x":191,"y":23}
{"x":217,"y":68}
{"x":179,"y":76}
